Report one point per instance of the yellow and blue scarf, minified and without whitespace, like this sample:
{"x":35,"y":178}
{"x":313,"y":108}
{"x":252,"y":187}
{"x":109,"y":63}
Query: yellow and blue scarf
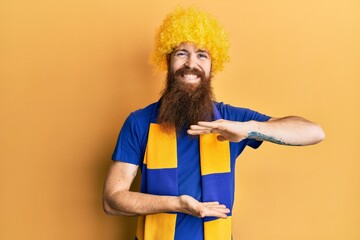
{"x":159,"y":176}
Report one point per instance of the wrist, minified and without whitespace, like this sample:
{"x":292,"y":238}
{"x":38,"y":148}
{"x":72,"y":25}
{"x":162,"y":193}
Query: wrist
{"x":176,"y":204}
{"x":252,"y":126}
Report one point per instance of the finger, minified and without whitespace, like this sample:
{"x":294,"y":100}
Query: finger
{"x":217,"y":126}
{"x":197,"y":132}
{"x":222,"y":209}
{"x":211,"y":203}
{"x":219,"y":206}
{"x":216,"y":206}
{"x":205,"y":129}
{"x":215,"y":213}
{"x":208,"y":124}
{"x":197,"y":127}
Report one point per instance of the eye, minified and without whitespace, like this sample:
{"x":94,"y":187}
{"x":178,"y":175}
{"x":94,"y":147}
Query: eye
{"x":180,"y":54}
{"x":203,"y":56}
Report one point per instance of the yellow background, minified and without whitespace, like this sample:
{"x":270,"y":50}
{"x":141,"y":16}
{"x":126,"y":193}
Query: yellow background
{"x":71,"y":71}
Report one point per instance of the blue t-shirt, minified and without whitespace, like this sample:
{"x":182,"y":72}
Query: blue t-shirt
{"x":131,"y":147}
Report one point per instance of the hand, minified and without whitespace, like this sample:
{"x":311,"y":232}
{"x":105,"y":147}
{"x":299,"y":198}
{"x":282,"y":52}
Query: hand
{"x":227,"y":130}
{"x":191,"y":206}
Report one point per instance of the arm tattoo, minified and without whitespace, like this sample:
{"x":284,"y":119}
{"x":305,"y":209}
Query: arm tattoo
{"x":261,"y":137}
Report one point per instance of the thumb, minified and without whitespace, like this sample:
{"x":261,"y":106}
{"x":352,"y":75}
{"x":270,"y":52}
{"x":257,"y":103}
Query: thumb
{"x":221,"y":138}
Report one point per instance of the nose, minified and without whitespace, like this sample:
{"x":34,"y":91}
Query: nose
{"x":191,"y":62}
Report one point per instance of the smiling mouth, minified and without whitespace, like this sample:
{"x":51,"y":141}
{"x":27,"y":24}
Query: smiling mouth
{"x":189,"y":77}
{"x":192,"y":76}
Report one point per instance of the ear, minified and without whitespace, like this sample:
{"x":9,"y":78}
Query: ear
{"x":168,"y":60}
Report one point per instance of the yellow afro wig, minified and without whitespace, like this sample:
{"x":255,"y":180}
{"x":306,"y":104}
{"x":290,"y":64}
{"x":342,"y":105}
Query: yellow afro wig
{"x":195,"y":26}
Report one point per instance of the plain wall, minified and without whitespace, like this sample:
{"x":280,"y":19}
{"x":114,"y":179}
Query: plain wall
{"x":71,"y":71}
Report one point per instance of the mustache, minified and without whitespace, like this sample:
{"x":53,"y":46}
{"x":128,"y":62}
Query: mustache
{"x":184,"y":70}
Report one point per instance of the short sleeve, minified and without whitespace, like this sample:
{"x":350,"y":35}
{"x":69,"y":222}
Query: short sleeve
{"x":128,"y":147}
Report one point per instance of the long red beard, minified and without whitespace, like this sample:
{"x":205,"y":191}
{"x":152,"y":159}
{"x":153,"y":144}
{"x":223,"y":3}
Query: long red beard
{"x":183,"y":104}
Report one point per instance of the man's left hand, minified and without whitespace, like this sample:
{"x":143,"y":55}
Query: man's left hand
{"x":227,"y":130}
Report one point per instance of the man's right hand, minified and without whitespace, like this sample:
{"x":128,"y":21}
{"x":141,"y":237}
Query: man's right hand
{"x":191,"y":206}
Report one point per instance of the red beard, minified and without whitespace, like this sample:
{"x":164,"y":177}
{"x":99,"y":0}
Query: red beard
{"x":183,"y":104}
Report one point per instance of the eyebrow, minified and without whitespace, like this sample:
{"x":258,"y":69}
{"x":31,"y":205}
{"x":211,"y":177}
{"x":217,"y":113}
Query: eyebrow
{"x":185,"y":50}
{"x":182,"y":49}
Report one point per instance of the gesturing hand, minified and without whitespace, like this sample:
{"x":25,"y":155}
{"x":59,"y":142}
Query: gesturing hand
{"x":191,"y":206}
{"x":227,"y":130}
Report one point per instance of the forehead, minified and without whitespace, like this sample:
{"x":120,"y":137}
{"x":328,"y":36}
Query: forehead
{"x":190,"y":47}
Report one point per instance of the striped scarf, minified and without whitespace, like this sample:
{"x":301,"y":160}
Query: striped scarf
{"x":159,"y":177}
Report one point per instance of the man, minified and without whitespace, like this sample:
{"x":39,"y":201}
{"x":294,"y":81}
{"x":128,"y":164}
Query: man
{"x":186,"y":144}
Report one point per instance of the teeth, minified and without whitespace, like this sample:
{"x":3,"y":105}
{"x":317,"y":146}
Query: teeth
{"x":190,"y":76}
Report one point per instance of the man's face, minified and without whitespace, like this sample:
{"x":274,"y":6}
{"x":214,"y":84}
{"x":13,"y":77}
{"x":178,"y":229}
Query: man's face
{"x":189,"y":64}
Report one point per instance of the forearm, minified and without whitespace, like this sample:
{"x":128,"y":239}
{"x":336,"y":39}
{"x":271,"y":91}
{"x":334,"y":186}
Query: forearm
{"x":134,"y":203}
{"x":294,"y":131}
{"x":119,"y":200}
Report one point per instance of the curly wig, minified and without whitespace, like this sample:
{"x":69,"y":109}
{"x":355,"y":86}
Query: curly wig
{"x":195,"y":26}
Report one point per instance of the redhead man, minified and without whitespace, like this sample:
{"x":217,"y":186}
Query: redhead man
{"x":186,"y":144}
